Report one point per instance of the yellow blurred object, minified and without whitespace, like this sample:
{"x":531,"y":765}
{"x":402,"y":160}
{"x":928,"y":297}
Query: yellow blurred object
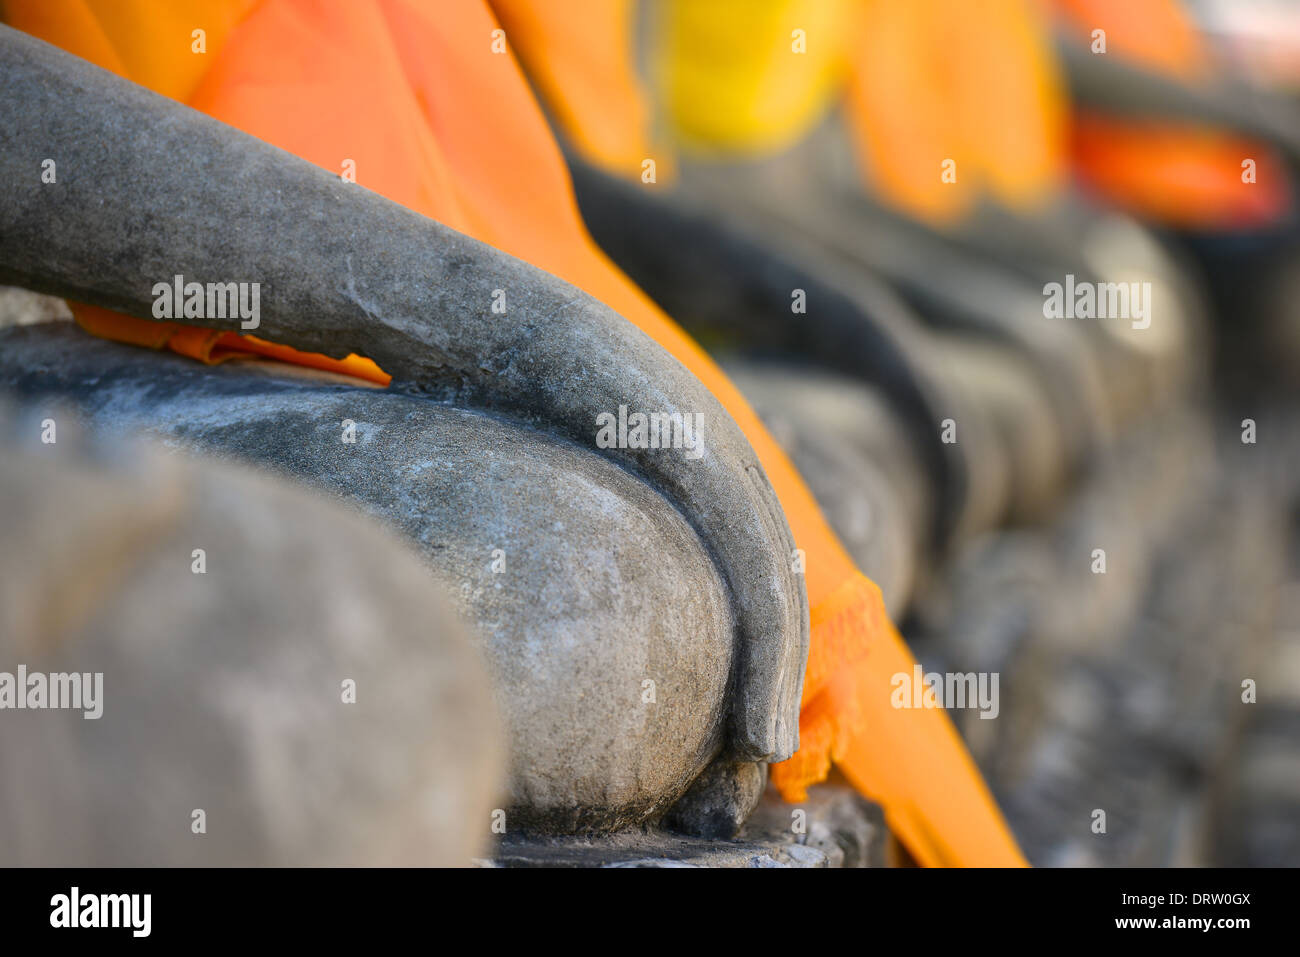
{"x":748,"y":76}
{"x":154,"y":44}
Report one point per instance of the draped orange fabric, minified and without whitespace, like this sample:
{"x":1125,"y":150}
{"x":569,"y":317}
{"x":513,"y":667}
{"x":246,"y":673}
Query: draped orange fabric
{"x":586,"y":50}
{"x":168,"y":47}
{"x":433,"y":118}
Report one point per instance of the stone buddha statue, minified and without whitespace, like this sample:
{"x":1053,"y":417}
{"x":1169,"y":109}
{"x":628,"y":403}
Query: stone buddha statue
{"x":644,"y":623}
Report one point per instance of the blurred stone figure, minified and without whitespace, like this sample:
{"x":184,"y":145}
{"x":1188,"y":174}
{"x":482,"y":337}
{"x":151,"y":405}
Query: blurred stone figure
{"x":267,"y":678}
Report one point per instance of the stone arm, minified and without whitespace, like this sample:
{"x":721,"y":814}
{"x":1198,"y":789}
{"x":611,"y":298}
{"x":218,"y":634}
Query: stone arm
{"x":148,"y":189}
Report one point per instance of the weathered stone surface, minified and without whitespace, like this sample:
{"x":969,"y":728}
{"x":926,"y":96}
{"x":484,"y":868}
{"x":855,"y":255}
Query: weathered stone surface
{"x":152,"y":190}
{"x":1256,"y":816}
{"x":1256,"y":822}
{"x":857,"y":462}
{"x":733,"y":285}
{"x":606,"y":623}
{"x":719,"y":800}
{"x":836,"y":828}
{"x":951,"y":356}
{"x":1003,"y":408}
{"x":964,"y":284}
{"x":1145,"y":370}
{"x":835,"y":820}
{"x":1120,"y":691}
{"x":224,"y":691}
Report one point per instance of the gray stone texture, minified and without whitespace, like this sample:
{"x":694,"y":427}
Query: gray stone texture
{"x":605,"y":621}
{"x":837,"y":828}
{"x":223,"y":691}
{"x":149,"y":189}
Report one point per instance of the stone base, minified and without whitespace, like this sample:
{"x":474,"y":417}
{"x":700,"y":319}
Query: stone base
{"x":840,"y":829}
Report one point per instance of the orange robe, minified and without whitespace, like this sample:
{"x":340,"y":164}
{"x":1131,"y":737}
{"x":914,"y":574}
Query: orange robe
{"x":1191,"y":175}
